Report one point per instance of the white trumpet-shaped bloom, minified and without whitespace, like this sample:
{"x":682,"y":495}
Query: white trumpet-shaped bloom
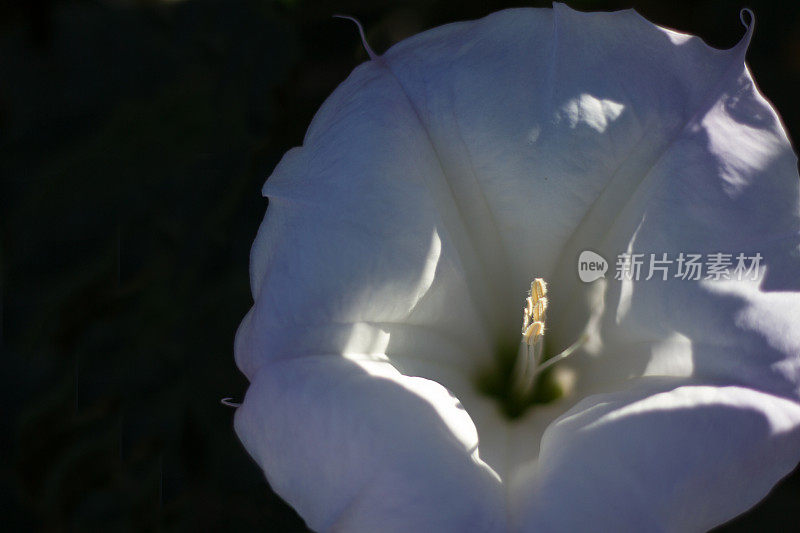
{"x":399,"y":246}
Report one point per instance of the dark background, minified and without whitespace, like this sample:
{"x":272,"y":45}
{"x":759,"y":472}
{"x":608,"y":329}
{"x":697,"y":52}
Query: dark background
{"x":134,"y":139}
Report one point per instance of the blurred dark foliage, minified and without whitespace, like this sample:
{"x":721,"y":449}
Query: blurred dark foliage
{"x":134,"y":138}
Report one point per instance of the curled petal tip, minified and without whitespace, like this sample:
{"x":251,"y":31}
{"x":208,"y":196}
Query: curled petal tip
{"x":367,"y":47}
{"x":228,"y":402}
{"x":748,"y":19}
{"x":746,"y":11}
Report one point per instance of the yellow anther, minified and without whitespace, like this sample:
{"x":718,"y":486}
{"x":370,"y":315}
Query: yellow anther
{"x":535,"y":307}
{"x":538,"y":289}
{"x":534,"y":332}
{"x":530,"y":361}
{"x":537,"y":315}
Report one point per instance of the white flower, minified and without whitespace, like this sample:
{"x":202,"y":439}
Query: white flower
{"x":401,"y":239}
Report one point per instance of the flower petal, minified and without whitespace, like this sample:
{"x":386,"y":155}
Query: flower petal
{"x":355,"y":446}
{"x":547,"y":120}
{"x":727,"y":184}
{"x":663,"y":456}
{"x":352,"y":234}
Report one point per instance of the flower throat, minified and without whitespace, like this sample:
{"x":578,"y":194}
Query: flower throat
{"x":523,"y":374}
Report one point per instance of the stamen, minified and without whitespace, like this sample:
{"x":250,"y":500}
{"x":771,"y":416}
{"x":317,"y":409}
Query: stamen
{"x":533,"y":333}
{"x":533,"y":314}
{"x":529,"y":363}
{"x":537,"y":313}
{"x":538,"y":288}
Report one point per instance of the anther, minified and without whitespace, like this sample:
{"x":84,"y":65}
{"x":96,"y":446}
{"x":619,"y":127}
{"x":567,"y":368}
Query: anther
{"x":538,"y":288}
{"x":533,"y":333}
{"x":530,"y":364}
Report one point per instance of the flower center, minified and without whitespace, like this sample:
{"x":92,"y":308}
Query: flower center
{"x":524,"y":374}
